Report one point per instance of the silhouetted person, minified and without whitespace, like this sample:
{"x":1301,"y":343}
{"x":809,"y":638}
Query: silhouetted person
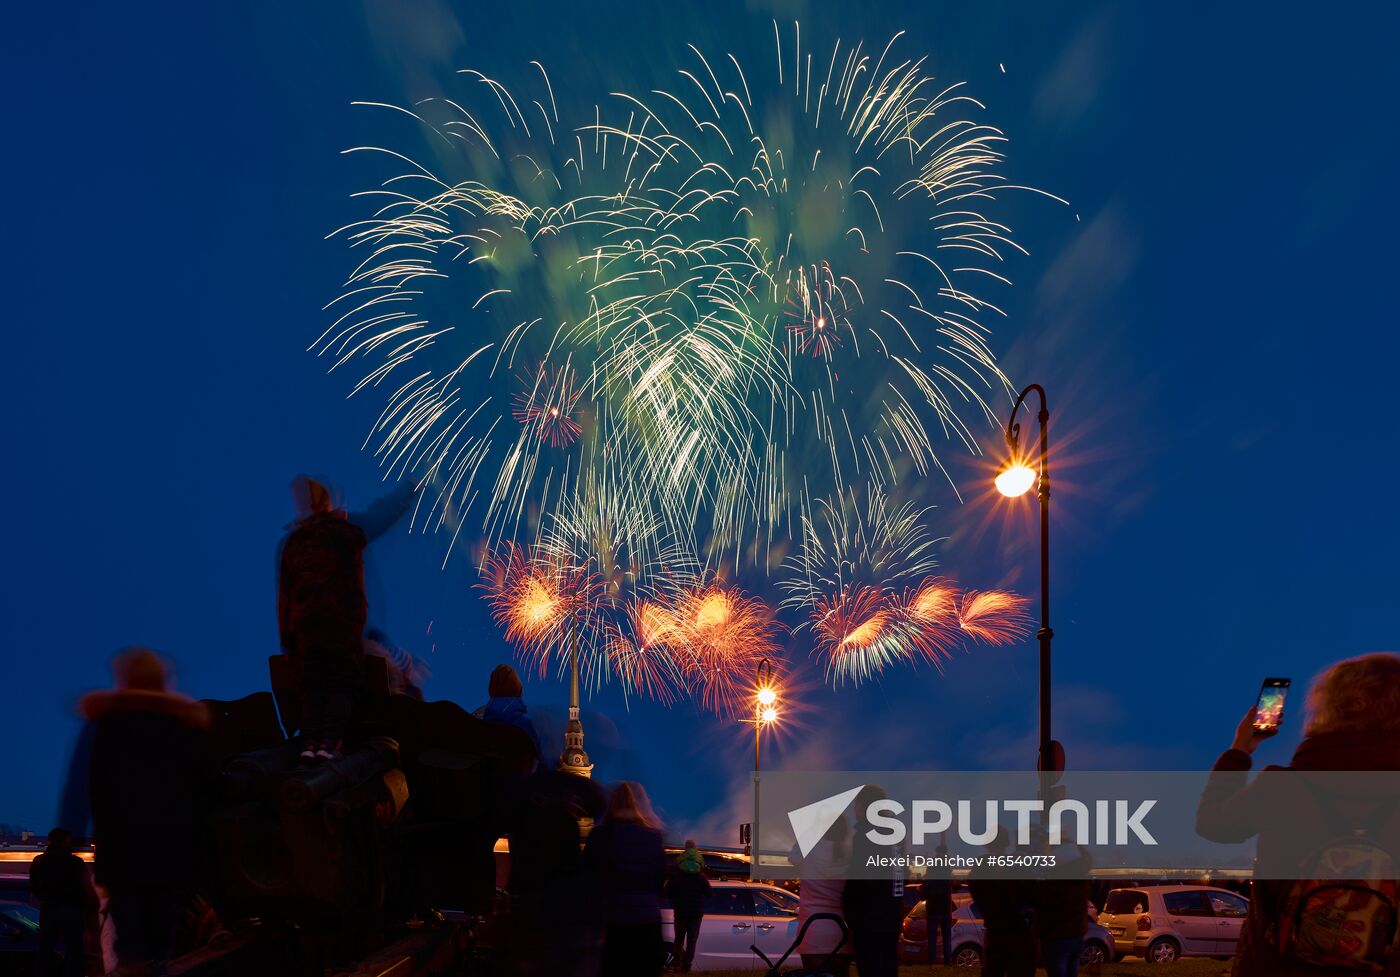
{"x":873,"y":907}
{"x":58,"y":882}
{"x":1062,"y":916}
{"x":146,"y":785}
{"x":823,"y":871}
{"x":626,"y":857}
{"x":507,"y":702}
{"x":321,"y":605}
{"x":687,"y":889}
{"x":75,"y":803}
{"x":553,"y":928}
{"x":937,"y":892}
{"x":1008,"y":915}
{"x":1313,"y":928}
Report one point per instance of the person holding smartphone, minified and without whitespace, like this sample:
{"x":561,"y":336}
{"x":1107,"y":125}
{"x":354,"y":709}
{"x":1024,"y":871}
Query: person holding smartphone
{"x":1352,"y":722}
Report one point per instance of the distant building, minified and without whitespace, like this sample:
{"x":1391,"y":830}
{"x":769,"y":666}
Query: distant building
{"x":11,"y":834}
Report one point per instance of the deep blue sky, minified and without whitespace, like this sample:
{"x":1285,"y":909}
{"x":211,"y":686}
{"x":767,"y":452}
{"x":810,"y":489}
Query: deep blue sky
{"x":1213,"y":317}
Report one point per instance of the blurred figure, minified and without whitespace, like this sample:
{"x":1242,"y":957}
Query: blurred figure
{"x":507,"y":703}
{"x":552,"y":928}
{"x":872,"y":907}
{"x":823,"y":872}
{"x":938,"y":904}
{"x":59,"y":883}
{"x":146,"y":786}
{"x":321,"y":605}
{"x":1008,"y":915}
{"x":75,"y":803}
{"x":406,"y":673}
{"x":1062,"y":918}
{"x":1317,"y":927}
{"x":626,"y":856}
{"x":687,"y":888}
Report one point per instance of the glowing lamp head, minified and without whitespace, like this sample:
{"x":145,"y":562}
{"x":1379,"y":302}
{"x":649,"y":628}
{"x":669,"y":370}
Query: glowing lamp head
{"x":766,"y":698}
{"x":1015,"y":479}
{"x":768,"y":716}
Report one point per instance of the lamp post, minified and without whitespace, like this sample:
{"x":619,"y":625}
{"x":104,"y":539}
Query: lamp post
{"x":765,"y":713}
{"x":1015,"y":479}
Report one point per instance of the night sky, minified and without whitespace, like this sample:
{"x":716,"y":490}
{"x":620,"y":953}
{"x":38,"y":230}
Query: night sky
{"x":1212,"y":315}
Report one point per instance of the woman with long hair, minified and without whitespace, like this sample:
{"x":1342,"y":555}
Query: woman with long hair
{"x":1317,"y":927}
{"x":627,"y":858}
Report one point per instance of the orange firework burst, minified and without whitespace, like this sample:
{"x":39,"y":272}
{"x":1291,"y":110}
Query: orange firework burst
{"x":655,"y":625}
{"x":858,"y":632}
{"x":996,"y":617}
{"x":936,"y":599}
{"x":724,"y":634}
{"x":547,"y":406}
{"x":862,"y":629}
{"x":931,"y":611}
{"x":647,"y":659}
{"x":651,"y":672}
{"x":535,"y":597}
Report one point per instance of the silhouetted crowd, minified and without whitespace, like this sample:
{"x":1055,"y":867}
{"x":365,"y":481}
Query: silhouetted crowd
{"x":589,"y":876}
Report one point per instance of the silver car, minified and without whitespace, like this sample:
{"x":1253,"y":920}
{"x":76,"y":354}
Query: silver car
{"x":1163,"y":923}
{"x":739,"y":916}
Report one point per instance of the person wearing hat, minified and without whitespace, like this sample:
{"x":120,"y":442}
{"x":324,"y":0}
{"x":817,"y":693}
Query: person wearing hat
{"x":507,"y":703}
{"x":687,"y":888}
{"x":690,"y":860}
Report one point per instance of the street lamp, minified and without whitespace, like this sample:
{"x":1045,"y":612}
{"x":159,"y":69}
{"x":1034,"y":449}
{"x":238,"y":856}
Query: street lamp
{"x":765,"y":714}
{"x":1014,"y":480}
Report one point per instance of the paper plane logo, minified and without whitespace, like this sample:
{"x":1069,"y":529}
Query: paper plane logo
{"x":810,"y":823}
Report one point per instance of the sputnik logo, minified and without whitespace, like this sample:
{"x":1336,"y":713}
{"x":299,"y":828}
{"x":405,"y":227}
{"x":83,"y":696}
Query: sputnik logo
{"x":810,"y":823}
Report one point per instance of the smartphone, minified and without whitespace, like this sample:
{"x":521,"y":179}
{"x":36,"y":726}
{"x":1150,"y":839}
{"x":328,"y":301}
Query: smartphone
{"x":1270,"y":705}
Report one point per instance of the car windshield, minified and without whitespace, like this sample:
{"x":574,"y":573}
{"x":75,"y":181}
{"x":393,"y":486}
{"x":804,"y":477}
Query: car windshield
{"x":1123,"y":901}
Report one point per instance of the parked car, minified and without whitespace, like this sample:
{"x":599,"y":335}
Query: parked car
{"x":19,"y":939}
{"x":738,"y":916}
{"x":1163,"y":923}
{"x":969,"y":936}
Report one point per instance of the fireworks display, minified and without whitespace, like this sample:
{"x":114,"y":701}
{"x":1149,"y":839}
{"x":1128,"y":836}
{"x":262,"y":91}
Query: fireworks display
{"x":864,"y":578}
{"x":725,"y":309}
{"x":548,"y":407}
{"x":538,"y":599}
{"x":728,"y":635}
